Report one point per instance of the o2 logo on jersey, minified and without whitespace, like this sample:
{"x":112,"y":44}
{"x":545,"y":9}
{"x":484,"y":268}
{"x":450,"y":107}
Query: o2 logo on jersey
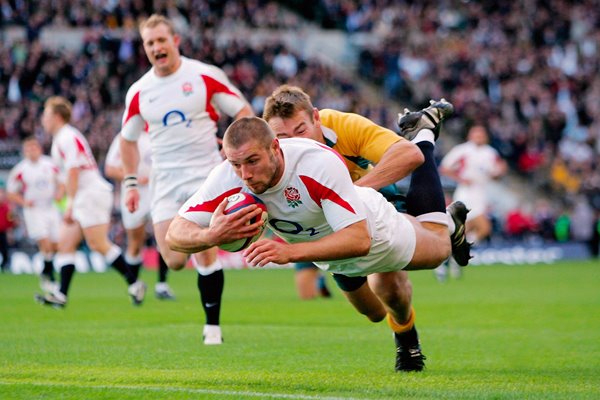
{"x":41,"y":184}
{"x":175,"y":117}
{"x":291,"y":227}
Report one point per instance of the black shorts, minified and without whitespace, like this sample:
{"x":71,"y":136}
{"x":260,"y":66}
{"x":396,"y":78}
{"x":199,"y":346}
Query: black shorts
{"x":349,"y":283}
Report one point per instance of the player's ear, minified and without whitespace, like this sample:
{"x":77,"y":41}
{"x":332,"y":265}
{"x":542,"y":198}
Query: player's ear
{"x":275,"y":144}
{"x":177,"y":40}
{"x":316,"y":116}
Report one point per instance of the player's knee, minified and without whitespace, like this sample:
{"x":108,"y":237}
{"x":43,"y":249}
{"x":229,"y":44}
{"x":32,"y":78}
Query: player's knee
{"x":98,"y":245}
{"x":376,"y":315}
{"x":175,"y":262}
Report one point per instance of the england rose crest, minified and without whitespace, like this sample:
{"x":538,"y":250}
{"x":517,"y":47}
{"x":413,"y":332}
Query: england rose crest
{"x":187,"y":88}
{"x":292,"y":195}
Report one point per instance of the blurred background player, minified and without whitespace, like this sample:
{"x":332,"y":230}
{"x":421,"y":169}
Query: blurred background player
{"x":88,"y":208}
{"x":473,"y":165}
{"x":135,"y":222}
{"x":34,"y":185}
{"x":178,"y":101}
{"x":7,"y":222}
{"x":375,"y":156}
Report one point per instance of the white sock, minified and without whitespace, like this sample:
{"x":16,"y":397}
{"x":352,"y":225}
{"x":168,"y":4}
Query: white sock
{"x":424,"y":135}
{"x":451,"y":224}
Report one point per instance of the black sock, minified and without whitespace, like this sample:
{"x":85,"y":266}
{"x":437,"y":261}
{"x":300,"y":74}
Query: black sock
{"x":124,"y":269}
{"x":425,"y":194}
{"x":48,"y":269}
{"x":66,"y":274}
{"x":135,"y":269}
{"x":162,"y":269}
{"x":407,"y":339}
{"x":211,"y":290}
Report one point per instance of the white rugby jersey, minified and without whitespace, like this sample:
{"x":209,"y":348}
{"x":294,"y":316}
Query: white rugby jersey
{"x":180,"y":111}
{"x":314,"y":198}
{"x":472,"y":162}
{"x":35,"y":181}
{"x":113,"y":157}
{"x":70,"y":149}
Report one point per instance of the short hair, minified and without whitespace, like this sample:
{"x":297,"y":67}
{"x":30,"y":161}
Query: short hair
{"x":30,"y":138}
{"x":246,"y":129}
{"x":156,"y":19}
{"x":60,"y":106}
{"x":286,"y":101}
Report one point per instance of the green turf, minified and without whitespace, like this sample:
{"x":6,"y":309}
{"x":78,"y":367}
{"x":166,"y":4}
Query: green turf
{"x":499,"y":333}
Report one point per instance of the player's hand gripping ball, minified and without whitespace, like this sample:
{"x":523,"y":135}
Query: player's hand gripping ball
{"x":236,"y":202}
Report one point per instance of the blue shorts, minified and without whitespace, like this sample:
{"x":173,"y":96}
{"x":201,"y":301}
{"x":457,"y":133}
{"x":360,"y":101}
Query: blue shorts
{"x":304,"y":265}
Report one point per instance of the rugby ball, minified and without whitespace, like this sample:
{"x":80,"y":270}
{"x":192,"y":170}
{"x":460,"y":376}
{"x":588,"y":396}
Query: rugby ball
{"x":235,"y":203}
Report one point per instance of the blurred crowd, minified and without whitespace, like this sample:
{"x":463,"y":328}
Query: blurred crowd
{"x":95,"y":77}
{"x":529,"y":70}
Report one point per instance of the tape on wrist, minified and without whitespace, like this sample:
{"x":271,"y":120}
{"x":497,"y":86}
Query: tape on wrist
{"x":130,"y":181}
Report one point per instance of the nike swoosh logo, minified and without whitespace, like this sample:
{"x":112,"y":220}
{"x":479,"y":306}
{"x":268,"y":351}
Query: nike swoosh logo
{"x":151,"y":100}
{"x":209,"y":305}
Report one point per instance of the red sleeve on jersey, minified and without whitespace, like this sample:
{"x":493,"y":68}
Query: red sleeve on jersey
{"x":213,"y":87}
{"x":211,"y":205}
{"x":19,"y":178}
{"x":80,"y":146}
{"x":319,"y":193}
{"x":134,"y":107}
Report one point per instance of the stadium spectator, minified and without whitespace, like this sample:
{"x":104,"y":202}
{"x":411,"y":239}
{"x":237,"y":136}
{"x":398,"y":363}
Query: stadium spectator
{"x":34,"y":185}
{"x":135,"y":222}
{"x":175,"y":102}
{"x":7,"y":222}
{"x":349,"y":230}
{"x":519,"y":224}
{"x":88,"y":208}
{"x":376,"y":157}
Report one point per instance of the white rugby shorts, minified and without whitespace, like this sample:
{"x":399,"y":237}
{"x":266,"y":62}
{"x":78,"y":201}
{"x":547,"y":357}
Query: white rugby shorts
{"x":474,"y":198}
{"x":42,"y":222}
{"x":132,"y":220}
{"x":393,"y":244}
{"x":170,"y":189}
{"x":92,"y":206}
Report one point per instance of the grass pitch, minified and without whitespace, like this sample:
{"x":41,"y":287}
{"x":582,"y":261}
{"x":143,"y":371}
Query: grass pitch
{"x":500,"y":332}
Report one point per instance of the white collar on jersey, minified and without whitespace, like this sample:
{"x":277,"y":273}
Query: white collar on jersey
{"x":330,"y":136}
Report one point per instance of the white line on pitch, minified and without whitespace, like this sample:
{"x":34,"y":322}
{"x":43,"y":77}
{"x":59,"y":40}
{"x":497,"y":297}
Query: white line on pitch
{"x":186,"y":390}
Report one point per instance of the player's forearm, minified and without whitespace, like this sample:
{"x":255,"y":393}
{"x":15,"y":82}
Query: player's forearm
{"x":16,"y":198}
{"x":60,"y":191}
{"x":130,"y":156}
{"x":187,"y":237}
{"x":352,"y":241}
{"x":245,"y":112}
{"x":397,"y":162}
{"x":72,"y":183}
{"x":115,"y":173}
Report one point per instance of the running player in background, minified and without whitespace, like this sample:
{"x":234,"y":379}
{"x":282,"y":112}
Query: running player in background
{"x":473,"y":165}
{"x":351,"y":231}
{"x":34,"y":185}
{"x":135,"y":222}
{"x":88,"y":207}
{"x":375,"y":156}
{"x":178,"y":102}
